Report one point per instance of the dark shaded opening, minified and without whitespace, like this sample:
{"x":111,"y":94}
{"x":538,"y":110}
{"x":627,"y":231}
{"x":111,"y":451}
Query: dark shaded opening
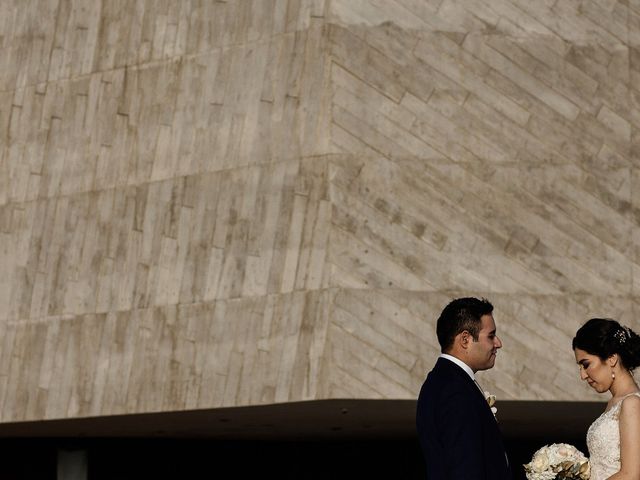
{"x":305,"y":440}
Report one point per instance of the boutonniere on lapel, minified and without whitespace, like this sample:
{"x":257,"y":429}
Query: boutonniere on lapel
{"x":491,"y":400}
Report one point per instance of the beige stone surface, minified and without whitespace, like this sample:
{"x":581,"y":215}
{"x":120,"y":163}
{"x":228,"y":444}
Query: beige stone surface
{"x":243,"y":202}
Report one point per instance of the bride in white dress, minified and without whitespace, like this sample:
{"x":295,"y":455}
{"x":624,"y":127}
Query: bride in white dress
{"x":606,"y":353}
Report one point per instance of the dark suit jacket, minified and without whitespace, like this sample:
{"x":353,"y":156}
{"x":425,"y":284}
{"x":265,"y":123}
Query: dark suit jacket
{"x":459,"y":435}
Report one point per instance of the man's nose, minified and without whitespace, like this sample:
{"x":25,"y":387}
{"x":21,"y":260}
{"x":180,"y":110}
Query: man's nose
{"x":498,"y":342}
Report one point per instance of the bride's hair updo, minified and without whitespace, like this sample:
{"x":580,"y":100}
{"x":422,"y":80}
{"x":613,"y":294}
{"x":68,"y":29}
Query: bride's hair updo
{"x":604,"y":337}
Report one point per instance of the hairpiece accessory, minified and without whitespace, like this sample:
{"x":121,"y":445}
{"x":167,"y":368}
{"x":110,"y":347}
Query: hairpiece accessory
{"x":622,"y":334}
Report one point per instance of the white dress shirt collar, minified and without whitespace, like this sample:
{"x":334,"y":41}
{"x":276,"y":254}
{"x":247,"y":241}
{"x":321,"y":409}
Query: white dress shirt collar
{"x":460,"y":363}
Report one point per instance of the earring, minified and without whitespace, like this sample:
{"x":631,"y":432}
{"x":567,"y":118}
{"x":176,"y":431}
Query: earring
{"x":613,"y":376}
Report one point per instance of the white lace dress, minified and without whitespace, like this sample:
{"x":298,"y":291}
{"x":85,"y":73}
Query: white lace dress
{"x":603,"y":441}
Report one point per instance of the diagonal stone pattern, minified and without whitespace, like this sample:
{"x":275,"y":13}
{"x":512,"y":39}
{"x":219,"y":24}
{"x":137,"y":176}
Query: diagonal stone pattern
{"x":208,"y":204}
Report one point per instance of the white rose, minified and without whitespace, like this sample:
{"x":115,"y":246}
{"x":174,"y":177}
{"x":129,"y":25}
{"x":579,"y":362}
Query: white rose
{"x":540,"y":463}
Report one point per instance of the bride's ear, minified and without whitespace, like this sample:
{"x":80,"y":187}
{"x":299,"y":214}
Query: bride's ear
{"x":613,"y":360}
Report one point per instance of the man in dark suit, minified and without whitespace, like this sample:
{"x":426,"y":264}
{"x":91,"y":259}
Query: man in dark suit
{"x":458,"y":431}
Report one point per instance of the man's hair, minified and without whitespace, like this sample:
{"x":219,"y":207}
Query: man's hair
{"x":461,"y":314}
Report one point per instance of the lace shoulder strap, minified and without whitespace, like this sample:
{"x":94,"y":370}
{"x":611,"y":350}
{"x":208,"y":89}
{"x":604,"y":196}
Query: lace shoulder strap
{"x":637,"y":394}
{"x":618,"y":404}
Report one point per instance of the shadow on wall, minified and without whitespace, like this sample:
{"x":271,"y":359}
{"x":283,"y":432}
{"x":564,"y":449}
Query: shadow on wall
{"x":136,"y":459}
{"x":304,"y":441}
{"x":178,"y":459}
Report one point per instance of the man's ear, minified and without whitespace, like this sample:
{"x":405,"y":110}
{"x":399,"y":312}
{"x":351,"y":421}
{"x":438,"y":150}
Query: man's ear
{"x":463,"y":339}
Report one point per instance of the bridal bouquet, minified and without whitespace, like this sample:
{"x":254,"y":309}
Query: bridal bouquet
{"x":558,"y":461}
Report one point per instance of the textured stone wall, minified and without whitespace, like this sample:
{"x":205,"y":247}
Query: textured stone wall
{"x":243,"y":202}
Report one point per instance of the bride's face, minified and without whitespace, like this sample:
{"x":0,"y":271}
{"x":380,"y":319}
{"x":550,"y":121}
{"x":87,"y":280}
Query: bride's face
{"x":593,"y":370}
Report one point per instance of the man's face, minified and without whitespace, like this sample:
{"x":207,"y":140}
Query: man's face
{"x":481,"y":354}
